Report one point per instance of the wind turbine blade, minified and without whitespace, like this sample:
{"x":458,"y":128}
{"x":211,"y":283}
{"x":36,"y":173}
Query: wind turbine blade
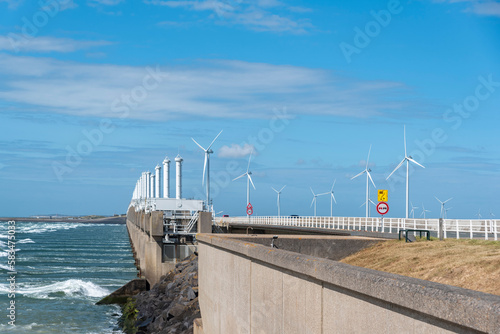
{"x":369,"y":175}
{"x":214,"y":140}
{"x":449,"y":199}
{"x":358,"y":174}
{"x":404,"y":136}
{"x":249,"y":158}
{"x":333,"y":196}
{"x":362,"y":204}
{"x":314,"y":198}
{"x":274,"y":190}
{"x":312,"y":191}
{"x":239,"y":176}
{"x":250,"y":178}
{"x":204,"y":169}
{"x":438,"y":200}
{"x":372,"y":201}
{"x":415,"y":162}
{"x":282,"y":188}
{"x":395,"y":169}
{"x":333,"y":185}
{"x":198,"y":144}
{"x":368,"y":159}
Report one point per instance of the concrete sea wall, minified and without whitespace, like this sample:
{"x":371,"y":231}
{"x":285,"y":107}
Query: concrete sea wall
{"x":246,"y":287}
{"x":146,"y":232}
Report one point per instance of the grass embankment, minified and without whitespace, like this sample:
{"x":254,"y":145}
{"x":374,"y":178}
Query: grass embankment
{"x":470,"y":264}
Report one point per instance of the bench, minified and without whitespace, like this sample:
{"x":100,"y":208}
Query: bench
{"x":405,"y":231}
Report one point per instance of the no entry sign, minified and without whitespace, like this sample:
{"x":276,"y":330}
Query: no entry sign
{"x":249,"y":209}
{"x":382,"y":208}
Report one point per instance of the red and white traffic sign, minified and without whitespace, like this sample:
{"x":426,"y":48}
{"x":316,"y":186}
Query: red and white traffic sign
{"x":382,"y":208}
{"x":249,"y":209}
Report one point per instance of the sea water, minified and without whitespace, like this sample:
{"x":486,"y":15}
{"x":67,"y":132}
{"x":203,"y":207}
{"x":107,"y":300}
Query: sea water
{"x":62,"y":270}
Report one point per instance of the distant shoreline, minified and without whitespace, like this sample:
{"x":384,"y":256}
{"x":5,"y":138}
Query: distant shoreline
{"x":105,"y":220}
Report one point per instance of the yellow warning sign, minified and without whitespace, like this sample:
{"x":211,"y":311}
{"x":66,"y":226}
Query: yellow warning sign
{"x":382,"y":195}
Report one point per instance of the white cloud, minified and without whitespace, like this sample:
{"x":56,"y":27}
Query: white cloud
{"x":236,"y":151}
{"x":19,"y":43}
{"x":220,"y":89}
{"x":105,"y":2}
{"x":479,"y":7}
{"x":12,"y":4}
{"x":255,"y":15}
{"x":489,"y":8}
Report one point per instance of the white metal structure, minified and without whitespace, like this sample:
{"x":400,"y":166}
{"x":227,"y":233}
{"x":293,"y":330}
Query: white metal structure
{"x":279,"y":193}
{"x":406,"y":159}
{"x":248,"y":173}
{"x":368,"y":177}
{"x":443,"y":212}
{"x":314,"y":200}
{"x":178,"y":175}
{"x":148,"y":184}
{"x":157,"y":181}
{"x":166,"y":178}
{"x":412,"y":212}
{"x":452,"y":228}
{"x":478,"y":214}
{"x":424,"y":211}
{"x":332,"y":198}
{"x":152,"y":186}
{"x":206,"y":165}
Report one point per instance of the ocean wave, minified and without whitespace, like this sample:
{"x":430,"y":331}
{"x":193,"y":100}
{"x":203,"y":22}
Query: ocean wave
{"x":26,"y":241}
{"x":68,"y":288}
{"x":40,"y":227}
{"x":4,"y":267}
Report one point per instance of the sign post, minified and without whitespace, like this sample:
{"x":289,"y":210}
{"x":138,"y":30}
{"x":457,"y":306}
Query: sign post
{"x":249,"y":209}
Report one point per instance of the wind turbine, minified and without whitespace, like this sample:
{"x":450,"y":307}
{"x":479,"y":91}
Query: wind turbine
{"x":249,"y":178}
{"x":412,"y":212}
{"x":478,"y":215}
{"x":206,"y":165}
{"x":314,"y":200}
{"x":279,"y":192}
{"x":492,"y":214}
{"x":446,"y":212}
{"x":424,"y":211}
{"x":332,"y":198}
{"x":443,"y":212}
{"x":406,"y":159}
{"x":368,"y":176}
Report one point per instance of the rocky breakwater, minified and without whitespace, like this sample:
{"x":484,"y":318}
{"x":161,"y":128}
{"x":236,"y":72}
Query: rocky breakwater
{"x":170,"y":306}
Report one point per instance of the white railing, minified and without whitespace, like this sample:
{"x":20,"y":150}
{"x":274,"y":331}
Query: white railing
{"x":452,"y":228}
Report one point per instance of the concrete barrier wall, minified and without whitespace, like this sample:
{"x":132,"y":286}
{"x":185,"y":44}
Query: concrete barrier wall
{"x":147,"y":245}
{"x":250,"y":288}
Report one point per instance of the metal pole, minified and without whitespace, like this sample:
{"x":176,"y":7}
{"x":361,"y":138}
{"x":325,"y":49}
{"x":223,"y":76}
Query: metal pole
{"x":440,"y":229}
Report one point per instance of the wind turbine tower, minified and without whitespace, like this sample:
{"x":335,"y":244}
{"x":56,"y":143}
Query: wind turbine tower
{"x":443,"y":211}
{"x":368,"y":178}
{"x":314,"y":201}
{"x":206,"y":166}
{"x":279,"y":193}
{"x":332,"y":198}
{"x":424,"y":211}
{"x":406,"y":159}
{"x":249,"y":179}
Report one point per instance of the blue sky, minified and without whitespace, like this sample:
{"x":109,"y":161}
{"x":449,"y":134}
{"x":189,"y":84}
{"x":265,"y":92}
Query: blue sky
{"x":94,"y":92}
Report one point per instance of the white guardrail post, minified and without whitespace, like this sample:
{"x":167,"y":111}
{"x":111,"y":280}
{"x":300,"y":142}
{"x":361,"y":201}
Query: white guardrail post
{"x":471,"y":227}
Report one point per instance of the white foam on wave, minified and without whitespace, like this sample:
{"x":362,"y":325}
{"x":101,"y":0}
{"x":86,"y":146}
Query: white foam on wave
{"x":40,"y":227}
{"x":26,"y":241}
{"x":70,"y":288}
{"x":4,"y":267}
